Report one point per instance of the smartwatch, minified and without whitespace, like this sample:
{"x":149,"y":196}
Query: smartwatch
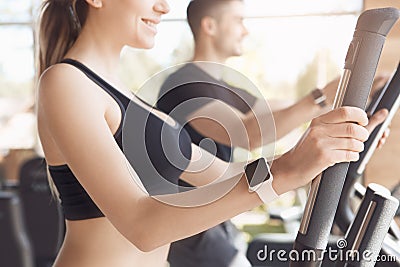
{"x":319,"y":97}
{"x":259,"y":179}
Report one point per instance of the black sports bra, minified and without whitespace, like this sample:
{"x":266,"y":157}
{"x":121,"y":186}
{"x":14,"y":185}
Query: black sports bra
{"x":157,"y":151}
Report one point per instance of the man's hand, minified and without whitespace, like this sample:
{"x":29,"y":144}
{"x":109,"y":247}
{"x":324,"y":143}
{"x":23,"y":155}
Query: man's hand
{"x":379,"y":82}
{"x":380,"y":116}
{"x":330,"y":89}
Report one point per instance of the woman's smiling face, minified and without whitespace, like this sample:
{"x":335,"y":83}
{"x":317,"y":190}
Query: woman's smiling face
{"x":135,"y":21}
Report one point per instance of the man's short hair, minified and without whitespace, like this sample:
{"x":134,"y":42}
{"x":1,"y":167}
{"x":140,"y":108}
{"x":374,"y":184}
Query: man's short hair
{"x":198,"y":9}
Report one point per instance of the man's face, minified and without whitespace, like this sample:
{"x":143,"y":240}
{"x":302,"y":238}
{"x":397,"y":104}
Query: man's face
{"x":230,"y":29}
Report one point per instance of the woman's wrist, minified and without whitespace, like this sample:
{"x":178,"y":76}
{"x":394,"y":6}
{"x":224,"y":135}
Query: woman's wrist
{"x":259,"y":179}
{"x":282,"y":172}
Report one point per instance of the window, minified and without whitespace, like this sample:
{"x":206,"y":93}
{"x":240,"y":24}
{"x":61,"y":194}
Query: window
{"x":16,"y":73}
{"x":16,"y":47}
{"x":293,"y":46}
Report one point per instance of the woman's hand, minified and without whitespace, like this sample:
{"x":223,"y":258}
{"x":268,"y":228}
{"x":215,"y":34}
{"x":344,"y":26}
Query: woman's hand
{"x":334,"y":137}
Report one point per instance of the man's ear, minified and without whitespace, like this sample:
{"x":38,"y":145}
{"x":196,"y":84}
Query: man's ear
{"x":95,"y":3}
{"x":209,"y":25}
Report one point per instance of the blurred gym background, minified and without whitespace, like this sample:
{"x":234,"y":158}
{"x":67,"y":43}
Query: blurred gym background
{"x":293,"y":46}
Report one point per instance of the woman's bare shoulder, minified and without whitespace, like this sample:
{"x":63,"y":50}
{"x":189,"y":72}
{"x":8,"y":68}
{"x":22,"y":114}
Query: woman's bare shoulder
{"x":64,"y":82}
{"x":59,"y":73}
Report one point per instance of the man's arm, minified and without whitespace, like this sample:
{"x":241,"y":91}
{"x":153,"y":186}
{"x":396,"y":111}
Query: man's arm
{"x":227,"y":125}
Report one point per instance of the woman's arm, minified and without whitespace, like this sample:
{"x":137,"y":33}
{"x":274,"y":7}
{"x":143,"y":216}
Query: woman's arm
{"x":84,"y":140}
{"x":205,"y":168}
{"x":87,"y":145}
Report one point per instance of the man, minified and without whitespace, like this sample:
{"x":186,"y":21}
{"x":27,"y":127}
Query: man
{"x":197,"y":97}
{"x":218,"y":31}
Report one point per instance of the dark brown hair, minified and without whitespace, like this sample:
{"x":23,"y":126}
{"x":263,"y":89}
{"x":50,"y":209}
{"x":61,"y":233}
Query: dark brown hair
{"x":60,"y":23}
{"x":198,"y":9}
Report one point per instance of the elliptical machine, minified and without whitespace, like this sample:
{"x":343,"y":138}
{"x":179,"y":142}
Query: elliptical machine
{"x":377,"y":210}
{"x":389,"y":98}
{"x":375,"y":214}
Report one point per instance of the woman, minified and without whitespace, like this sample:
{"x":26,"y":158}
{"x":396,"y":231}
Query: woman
{"x":81,"y":104}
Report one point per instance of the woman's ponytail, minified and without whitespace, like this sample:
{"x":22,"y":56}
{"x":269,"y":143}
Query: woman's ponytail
{"x":60,"y":23}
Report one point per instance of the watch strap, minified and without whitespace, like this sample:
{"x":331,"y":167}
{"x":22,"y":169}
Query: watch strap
{"x":319,"y":97}
{"x":266,"y":192}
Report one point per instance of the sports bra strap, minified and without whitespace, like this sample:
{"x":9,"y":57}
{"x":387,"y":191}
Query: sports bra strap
{"x":121,"y":99}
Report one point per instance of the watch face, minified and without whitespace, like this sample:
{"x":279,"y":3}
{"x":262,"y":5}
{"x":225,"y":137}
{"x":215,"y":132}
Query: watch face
{"x":257,"y":172}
